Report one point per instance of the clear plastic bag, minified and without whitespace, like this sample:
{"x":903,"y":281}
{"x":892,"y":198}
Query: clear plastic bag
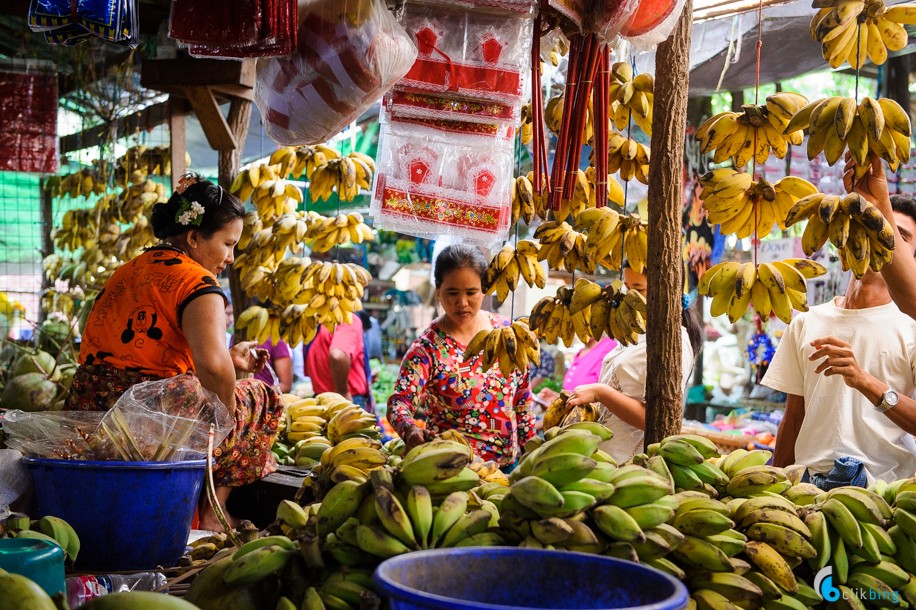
{"x":349,"y":55}
{"x":165,"y":420}
{"x":444,"y":178}
{"x":651,"y":22}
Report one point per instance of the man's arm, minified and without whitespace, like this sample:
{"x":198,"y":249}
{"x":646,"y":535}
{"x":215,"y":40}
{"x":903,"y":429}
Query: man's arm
{"x":339,"y":361}
{"x":784,"y":454}
{"x":900,"y":273}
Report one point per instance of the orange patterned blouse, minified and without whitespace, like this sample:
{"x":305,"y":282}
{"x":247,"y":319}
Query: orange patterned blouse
{"x":135,"y":324}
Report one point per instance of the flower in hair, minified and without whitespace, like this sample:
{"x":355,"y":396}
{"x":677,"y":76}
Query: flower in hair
{"x":190,"y":213}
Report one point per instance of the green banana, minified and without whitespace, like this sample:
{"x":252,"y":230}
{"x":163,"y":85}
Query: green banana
{"x":769,"y":588}
{"x":893,"y":575}
{"x":469,"y":524}
{"x":378,"y":542}
{"x":616,"y":523}
{"x":340,"y":503}
{"x":860,"y":504}
{"x":885,"y":544}
{"x":820,"y":538}
{"x":638,"y":490}
{"x":600,"y":490}
{"x":394,"y":517}
{"x":61,"y":531}
{"x":537,"y":494}
{"x":702,"y":522}
{"x":562,"y":468}
{"x":650,"y":515}
{"x":906,"y":521}
{"x":735,"y":587}
{"x":785,"y":540}
{"x":420,"y":510}
{"x":292,"y":515}
{"x":679,"y":451}
{"x":843,"y":522}
{"x":259,"y":563}
{"x":482,"y":539}
{"x":701,"y":554}
{"x":552,"y":530}
{"x":592,"y":427}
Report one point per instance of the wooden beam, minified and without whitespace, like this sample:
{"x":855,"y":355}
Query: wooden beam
{"x":229,"y":162}
{"x":211,"y":119}
{"x":178,"y":144}
{"x":165,"y":74}
{"x":147,"y":118}
{"x":664,"y":387}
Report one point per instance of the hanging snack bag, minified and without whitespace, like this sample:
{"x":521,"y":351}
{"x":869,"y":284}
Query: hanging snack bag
{"x":349,"y":54}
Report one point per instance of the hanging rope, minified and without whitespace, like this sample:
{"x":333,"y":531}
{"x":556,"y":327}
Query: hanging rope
{"x":757,"y":102}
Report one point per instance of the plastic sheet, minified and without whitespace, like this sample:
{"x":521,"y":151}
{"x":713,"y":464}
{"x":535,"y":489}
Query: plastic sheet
{"x":67,"y":22}
{"x":349,"y":54}
{"x":28,"y":117}
{"x":166,"y":420}
{"x":441,"y":178}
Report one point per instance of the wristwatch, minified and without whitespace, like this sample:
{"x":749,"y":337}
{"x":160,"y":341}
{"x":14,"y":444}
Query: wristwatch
{"x":889,"y":400}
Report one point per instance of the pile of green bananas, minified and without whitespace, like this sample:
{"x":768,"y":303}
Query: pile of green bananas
{"x":52,"y":529}
{"x":776,"y":287}
{"x":855,"y":226}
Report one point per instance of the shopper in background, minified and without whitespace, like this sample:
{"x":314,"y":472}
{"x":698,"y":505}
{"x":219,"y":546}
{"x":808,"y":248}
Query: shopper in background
{"x":622,"y":389}
{"x":162,"y":314}
{"x":491,"y":411}
{"x":586,"y":365}
{"x":843,"y":424}
{"x":335,"y":362}
{"x":279,"y":356}
{"x":900,"y":273}
{"x":545,"y":369}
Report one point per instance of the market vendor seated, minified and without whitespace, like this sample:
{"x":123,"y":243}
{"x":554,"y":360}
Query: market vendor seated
{"x":161,"y":314}
{"x":849,"y":368}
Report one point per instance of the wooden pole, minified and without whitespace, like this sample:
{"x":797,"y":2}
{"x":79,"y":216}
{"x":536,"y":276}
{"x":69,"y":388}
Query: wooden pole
{"x":229,"y":161}
{"x":178,"y":142}
{"x":46,"y":202}
{"x":664,"y":388}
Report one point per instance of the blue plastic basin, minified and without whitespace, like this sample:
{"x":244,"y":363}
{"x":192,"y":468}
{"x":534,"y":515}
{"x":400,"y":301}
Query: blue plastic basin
{"x":509,"y":578}
{"x":129,"y":515}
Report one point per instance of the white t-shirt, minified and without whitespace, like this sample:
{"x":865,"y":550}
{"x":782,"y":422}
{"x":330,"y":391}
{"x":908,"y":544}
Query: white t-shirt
{"x":840,"y":421}
{"x":624,"y":369}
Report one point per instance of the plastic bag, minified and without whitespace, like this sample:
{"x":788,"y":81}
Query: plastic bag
{"x":162,"y":420}
{"x":165,"y":420}
{"x":444,"y":178}
{"x":67,"y":22}
{"x":349,"y":54}
{"x":651,"y":22}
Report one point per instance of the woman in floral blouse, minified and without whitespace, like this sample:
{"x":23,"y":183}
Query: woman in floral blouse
{"x":491,"y":411}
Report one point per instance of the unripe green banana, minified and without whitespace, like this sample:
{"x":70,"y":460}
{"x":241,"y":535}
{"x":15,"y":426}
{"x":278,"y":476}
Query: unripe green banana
{"x":257,"y":564}
{"x":291,"y":514}
{"x":552,"y":530}
{"x":562,"y":468}
{"x":393,"y":516}
{"x":420,"y":509}
{"x":650,"y":515}
{"x":537,"y":494}
{"x":679,"y":451}
{"x":257,"y":543}
{"x":701,"y":554}
{"x":600,"y":490}
{"x":701,"y":522}
{"x":449,"y":511}
{"x":61,"y":531}
{"x":733,"y":586}
{"x":469,"y":524}
{"x":616,"y":523}
{"x":638,"y":490}
{"x":375,"y":541}
{"x":340,"y":503}
{"x":843,"y":522}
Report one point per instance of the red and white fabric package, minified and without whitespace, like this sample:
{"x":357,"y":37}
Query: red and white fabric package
{"x":444,"y":179}
{"x":349,"y":54}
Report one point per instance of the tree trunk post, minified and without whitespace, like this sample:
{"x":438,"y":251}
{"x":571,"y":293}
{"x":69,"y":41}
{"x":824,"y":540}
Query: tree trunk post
{"x":229,"y":161}
{"x":664,"y":387}
{"x":46,"y":201}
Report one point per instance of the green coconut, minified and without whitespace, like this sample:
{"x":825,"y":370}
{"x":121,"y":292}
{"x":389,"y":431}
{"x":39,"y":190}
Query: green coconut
{"x":210,"y":592}
{"x":37,"y":362}
{"x":18,"y":592}
{"x":29,"y":392}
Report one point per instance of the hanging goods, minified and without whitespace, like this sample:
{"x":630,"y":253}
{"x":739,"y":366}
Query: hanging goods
{"x":68,"y":22}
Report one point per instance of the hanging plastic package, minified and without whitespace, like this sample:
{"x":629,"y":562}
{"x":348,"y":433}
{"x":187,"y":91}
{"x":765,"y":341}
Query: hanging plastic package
{"x":651,"y":23}
{"x":235,"y":30}
{"x":68,"y":22}
{"x":607,"y":19}
{"x":444,"y":178}
{"x":349,"y":54}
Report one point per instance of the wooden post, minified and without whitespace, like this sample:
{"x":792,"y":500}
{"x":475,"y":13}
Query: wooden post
{"x":664,"y":388}
{"x":178,"y":143}
{"x":229,"y":161}
{"x":46,"y":202}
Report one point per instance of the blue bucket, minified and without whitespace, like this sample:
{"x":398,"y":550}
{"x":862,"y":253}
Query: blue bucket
{"x":129,"y":515}
{"x":509,"y":578}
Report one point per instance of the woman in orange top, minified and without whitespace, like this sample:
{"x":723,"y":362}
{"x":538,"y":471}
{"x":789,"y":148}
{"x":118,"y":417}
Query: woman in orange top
{"x":162,"y":314}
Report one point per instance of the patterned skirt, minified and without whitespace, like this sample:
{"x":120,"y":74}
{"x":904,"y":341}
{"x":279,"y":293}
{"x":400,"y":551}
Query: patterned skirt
{"x":242,"y":458}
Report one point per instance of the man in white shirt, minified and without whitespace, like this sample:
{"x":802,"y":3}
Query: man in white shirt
{"x":846,"y":411}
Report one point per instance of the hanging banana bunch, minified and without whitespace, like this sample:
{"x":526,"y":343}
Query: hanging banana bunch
{"x":742,"y":206}
{"x":776,"y":287}
{"x":614,"y":190}
{"x":631,"y":97}
{"x":523,"y":200}
{"x":629,"y":157}
{"x":562,"y":247}
{"x":509,"y":264}
{"x":512,"y":348}
{"x":337,"y":230}
{"x":551,"y":318}
{"x":851,"y":30}
{"x":753,"y":132}
{"x":879,"y":127}
{"x":853,"y":225}
{"x":619,"y":314}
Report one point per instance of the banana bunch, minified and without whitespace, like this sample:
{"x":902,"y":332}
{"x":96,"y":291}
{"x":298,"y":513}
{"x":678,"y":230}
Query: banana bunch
{"x":136,"y":201}
{"x":257,"y":560}
{"x":337,"y":230}
{"x":604,"y":229}
{"x":688,"y":458}
{"x":619,"y":314}
{"x":77,"y":230}
{"x":259,"y":323}
{"x":551,"y":318}
{"x":753,"y":132}
{"x":309,"y":419}
{"x":629,"y":157}
{"x":84,"y":182}
{"x":202,"y":550}
{"x":744,"y":207}
{"x":559,"y":411}
{"x":512,"y":348}
{"x":351,"y":459}
{"x":331,"y":291}
{"x":562,"y":247}
{"x":553,"y":117}
{"x":346,"y":174}
{"x":351,"y":422}
{"x":631,"y":97}
{"x":583,"y":197}
{"x":523,"y":200}
{"x":879,"y":127}
{"x":526,"y":125}
{"x":853,"y":225}
{"x":488,"y":471}
{"x":615,"y":192}
{"x":308,"y":158}
{"x":288,"y":232}
{"x":902,"y":496}
{"x":510,"y":264}
{"x":268,"y":189}
{"x":53,"y":529}
{"x":853,"y":30}
{"x":776,"y":287}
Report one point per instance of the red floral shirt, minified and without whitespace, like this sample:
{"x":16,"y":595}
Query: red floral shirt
{"x":494,"y":413}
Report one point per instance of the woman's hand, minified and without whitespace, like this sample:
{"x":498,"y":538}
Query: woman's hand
{"x":584,"y":394}
{"x":248,"y":359}
{"x":416,"y":436}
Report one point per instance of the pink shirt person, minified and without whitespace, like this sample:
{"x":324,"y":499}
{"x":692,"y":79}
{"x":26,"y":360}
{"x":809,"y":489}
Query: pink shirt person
{"x":586,"y":365}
